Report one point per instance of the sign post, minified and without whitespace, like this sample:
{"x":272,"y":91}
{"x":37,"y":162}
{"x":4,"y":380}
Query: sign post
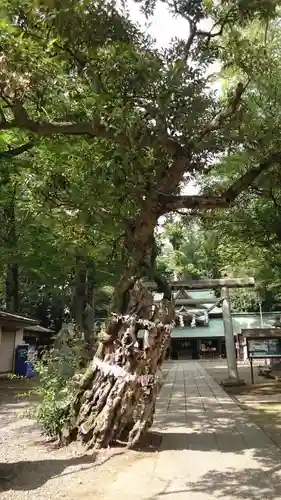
{"x":262,"y":343}
{"x":252,"y":371}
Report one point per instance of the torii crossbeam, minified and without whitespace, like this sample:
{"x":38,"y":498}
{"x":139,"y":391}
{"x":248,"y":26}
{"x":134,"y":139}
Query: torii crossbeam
{"x":214,"y":283}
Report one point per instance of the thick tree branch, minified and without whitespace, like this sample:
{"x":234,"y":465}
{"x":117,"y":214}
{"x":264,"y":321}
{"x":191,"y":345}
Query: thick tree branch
{"x":42,"y":128}
{"x":190,"y":40}
{"x":228,"y":112}
{"x":170,"y":203}
{"x":248,"y":178}
{"x":92,"y":129}
{"x":96,"y":129}
{"x":192,"y":29}
{"x":12,"y":152}
{"x":183,"y":156}
{"x":219,"y":26}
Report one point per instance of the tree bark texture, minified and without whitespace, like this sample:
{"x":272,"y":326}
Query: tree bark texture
{"x":116,"y":399}
{"x":117,"y":395}
{"x":12,"y":288}
{"x":10,"y":242}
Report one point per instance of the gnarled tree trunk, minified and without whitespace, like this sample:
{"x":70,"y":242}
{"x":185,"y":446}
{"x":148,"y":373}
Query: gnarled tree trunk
{"x":116,"y":398}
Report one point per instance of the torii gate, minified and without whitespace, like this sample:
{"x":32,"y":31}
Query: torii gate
{"x":224,"y":284}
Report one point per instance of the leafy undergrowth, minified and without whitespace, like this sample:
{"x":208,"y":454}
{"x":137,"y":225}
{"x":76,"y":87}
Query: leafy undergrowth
{"x":59,"y":371}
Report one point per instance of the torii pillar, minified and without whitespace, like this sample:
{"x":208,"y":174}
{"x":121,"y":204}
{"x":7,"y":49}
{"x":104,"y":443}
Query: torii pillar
{"x":233,"y":377}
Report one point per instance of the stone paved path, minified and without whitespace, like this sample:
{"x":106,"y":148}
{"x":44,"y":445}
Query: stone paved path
{"x":209,"y":450}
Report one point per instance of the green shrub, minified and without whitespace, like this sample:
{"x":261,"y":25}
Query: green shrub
{"x":55,"y":394}
{"x":59,"y":371}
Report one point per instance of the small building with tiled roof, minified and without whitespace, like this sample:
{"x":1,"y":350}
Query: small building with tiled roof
{"x":11,"y":335}
{"x":14,"y":330}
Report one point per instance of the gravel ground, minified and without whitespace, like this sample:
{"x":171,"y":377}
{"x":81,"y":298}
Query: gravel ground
{"x":32,"y":468}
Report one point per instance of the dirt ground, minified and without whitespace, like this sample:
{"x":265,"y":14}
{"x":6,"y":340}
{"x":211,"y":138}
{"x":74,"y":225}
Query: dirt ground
{"x":33,"y":468}
{"x":262,"y":401}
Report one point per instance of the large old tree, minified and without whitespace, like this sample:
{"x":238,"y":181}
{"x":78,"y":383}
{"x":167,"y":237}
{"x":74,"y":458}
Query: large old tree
{"x":80,"y":79}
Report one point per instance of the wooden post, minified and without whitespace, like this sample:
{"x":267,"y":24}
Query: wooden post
{"x":252,"y":371}
{"x":233,"y":378}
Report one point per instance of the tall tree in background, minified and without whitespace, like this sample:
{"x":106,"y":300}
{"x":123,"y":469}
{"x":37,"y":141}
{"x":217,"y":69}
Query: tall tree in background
{"x":189,"y":250}
{"x":9,"y":235}
{"x":40,"y":239}
{"x":109,"y":108}
{"x":205,"y":247}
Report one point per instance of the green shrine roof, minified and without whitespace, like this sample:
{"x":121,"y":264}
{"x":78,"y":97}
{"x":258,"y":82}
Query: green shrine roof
{"x":215,"y":326}
{"x":214,"y":329}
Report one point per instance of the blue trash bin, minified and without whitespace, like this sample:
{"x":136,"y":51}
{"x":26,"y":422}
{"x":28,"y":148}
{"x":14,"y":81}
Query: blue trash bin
{"x":23,"y":366}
